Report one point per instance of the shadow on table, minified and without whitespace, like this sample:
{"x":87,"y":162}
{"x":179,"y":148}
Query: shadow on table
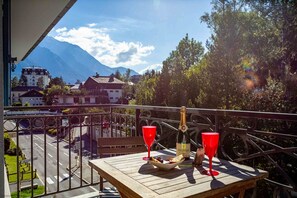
{"x":227,"y":167}
{"x":216,"y":183}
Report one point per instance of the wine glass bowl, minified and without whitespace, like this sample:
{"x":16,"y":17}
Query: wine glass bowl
{"x":210,"y":142}
{"x":149,"y":134}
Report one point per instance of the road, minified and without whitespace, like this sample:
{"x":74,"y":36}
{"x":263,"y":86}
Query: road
{"x":55,"y":156}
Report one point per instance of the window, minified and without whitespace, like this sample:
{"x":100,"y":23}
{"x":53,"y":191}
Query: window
{"x":87,"y":100}
{"x":111,"y":98}
{"x":117,"y":91}
{"x":75,"y":100}
{"x":111,"y":91}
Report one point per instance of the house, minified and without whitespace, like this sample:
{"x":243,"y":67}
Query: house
{"x":108,"y":84}
{"x":95,"y":90}
{"x":34,"y":75}
{"x":16,"y":92}
{"x":32,"y":97}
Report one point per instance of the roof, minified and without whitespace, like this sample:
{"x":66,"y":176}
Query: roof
{"x":107,"y":80}
{"x":26,"y":88}
{"x":75,"y":87}
{"x":32,"y":93}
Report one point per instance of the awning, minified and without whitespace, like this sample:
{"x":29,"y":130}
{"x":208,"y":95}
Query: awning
{"x":31,"y":20}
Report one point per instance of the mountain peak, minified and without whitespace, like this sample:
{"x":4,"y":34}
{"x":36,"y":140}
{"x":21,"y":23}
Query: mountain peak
{"x":66,"y":60}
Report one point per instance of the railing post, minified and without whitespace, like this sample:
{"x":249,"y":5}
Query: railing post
{"x":2,"y":179}
{"x":217,"y":128}
{"x":137,"y":120}
{"x":111,"y":124}
{"x":216,"y":122}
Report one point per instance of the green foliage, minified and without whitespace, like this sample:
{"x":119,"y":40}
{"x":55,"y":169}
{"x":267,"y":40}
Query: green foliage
{"x":25,"y":169}
{"x":10,"y":146}
{"x":171,"y":83}
{"x":251,"y":61}
{"x":54,"y":90}
{"x":27,"y":193}
{"x":23,"y":80}
{"x":14,"y":82}
{"x":146,"y":90}
{"x":17,"y":104}
{"x":52,"y":132}
{"x":40,"y":82}
{"x":57,"y":81}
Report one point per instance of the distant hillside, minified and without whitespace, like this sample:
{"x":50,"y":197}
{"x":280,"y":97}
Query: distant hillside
{"x":66,"y":60}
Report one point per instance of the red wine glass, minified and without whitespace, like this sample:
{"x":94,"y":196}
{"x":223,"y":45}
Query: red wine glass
{"x":149,"y":133}
{"x":210,"y":141}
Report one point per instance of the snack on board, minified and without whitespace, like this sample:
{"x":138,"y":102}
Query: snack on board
{"x":176,"y":159}
{"x":167,"y":160}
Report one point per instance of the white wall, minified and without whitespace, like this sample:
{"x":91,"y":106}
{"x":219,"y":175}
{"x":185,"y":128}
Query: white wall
{"x":15,"y":96}
{"x":114,"y":94}
{"x":33,"y":101}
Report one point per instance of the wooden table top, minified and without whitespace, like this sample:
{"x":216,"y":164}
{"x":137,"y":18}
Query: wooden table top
{"x":134,"y":177}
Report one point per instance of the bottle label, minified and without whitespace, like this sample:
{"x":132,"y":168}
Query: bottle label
{"x":184,"y":149}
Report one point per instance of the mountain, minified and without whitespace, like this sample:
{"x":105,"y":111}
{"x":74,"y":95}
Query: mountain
{"x":156,"y":67}
{"x":66,"y":60}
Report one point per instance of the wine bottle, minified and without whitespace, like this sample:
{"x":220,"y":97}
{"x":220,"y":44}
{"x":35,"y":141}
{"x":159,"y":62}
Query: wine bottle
{"x":183,"y":145}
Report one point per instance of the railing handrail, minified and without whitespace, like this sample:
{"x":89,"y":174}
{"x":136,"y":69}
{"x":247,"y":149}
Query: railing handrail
{"x":218,"y":112}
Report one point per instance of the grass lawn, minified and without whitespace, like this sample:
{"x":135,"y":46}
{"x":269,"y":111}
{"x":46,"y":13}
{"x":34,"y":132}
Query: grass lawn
{"x":27,"y":193}
{"x":11,"y":162}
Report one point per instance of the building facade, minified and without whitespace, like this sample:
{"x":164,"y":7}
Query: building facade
{"x":31,"y":76}
{"x":32,"y":98}
{"x":16,"y":92}
{"x":97,"y":90}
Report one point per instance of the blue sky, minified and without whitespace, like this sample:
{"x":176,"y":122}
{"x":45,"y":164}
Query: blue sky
{"x":132,"y":33}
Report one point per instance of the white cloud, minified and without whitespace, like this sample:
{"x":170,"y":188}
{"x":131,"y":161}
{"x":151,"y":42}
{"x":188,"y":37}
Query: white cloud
{"x":61,"y":30}
{"x":156,"y":67}
{"x":92,"y":24}
{"x":99,"y":44}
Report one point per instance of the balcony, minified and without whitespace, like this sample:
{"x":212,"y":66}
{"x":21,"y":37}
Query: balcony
{"x":54,"y":143}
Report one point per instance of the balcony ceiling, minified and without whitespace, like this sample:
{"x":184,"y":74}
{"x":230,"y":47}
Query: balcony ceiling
{"x":31,"y":20}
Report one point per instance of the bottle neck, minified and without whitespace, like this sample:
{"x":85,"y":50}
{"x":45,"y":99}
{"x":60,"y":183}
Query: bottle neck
{"x":183,"y":122}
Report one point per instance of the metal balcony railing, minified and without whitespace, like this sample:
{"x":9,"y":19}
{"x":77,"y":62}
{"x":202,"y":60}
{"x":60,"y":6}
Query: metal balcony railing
{"x":57,"y":145}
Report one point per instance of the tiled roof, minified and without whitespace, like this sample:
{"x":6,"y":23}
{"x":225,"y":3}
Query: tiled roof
{"x":32,"y":93}
{"x":107,"y":80}
{"x":26,"y":88}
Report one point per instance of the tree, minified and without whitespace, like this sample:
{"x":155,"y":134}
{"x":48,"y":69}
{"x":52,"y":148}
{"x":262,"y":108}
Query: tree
{"x":223,"y":77}
{"x":118,"y":75}
{"x":163,"y":87}
{"x":23,"y":80}
{"x":14,"y":82}
{"x":171,"y":85}
{"x":57,"y":81}
{"x":77,"y":81}
{"x":145,"y":90}
{"x":53,"y":91}
{"x":40,"y":82}
{"x":127,"y":75}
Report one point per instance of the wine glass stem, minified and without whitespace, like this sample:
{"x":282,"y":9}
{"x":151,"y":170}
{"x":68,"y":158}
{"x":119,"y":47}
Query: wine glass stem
{"x":149,"y":150}
{"x":210,"y":164}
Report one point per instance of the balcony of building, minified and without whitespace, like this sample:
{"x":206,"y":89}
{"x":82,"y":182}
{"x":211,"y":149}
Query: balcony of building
{"x":53,"y":149}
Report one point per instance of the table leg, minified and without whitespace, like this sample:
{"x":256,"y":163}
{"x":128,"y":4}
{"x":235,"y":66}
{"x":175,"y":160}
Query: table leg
{"x":122,"y":195}
{"x":241,"y":194}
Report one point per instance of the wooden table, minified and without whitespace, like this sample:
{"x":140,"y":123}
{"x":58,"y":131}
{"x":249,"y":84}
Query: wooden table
{"x":133,"y":177}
